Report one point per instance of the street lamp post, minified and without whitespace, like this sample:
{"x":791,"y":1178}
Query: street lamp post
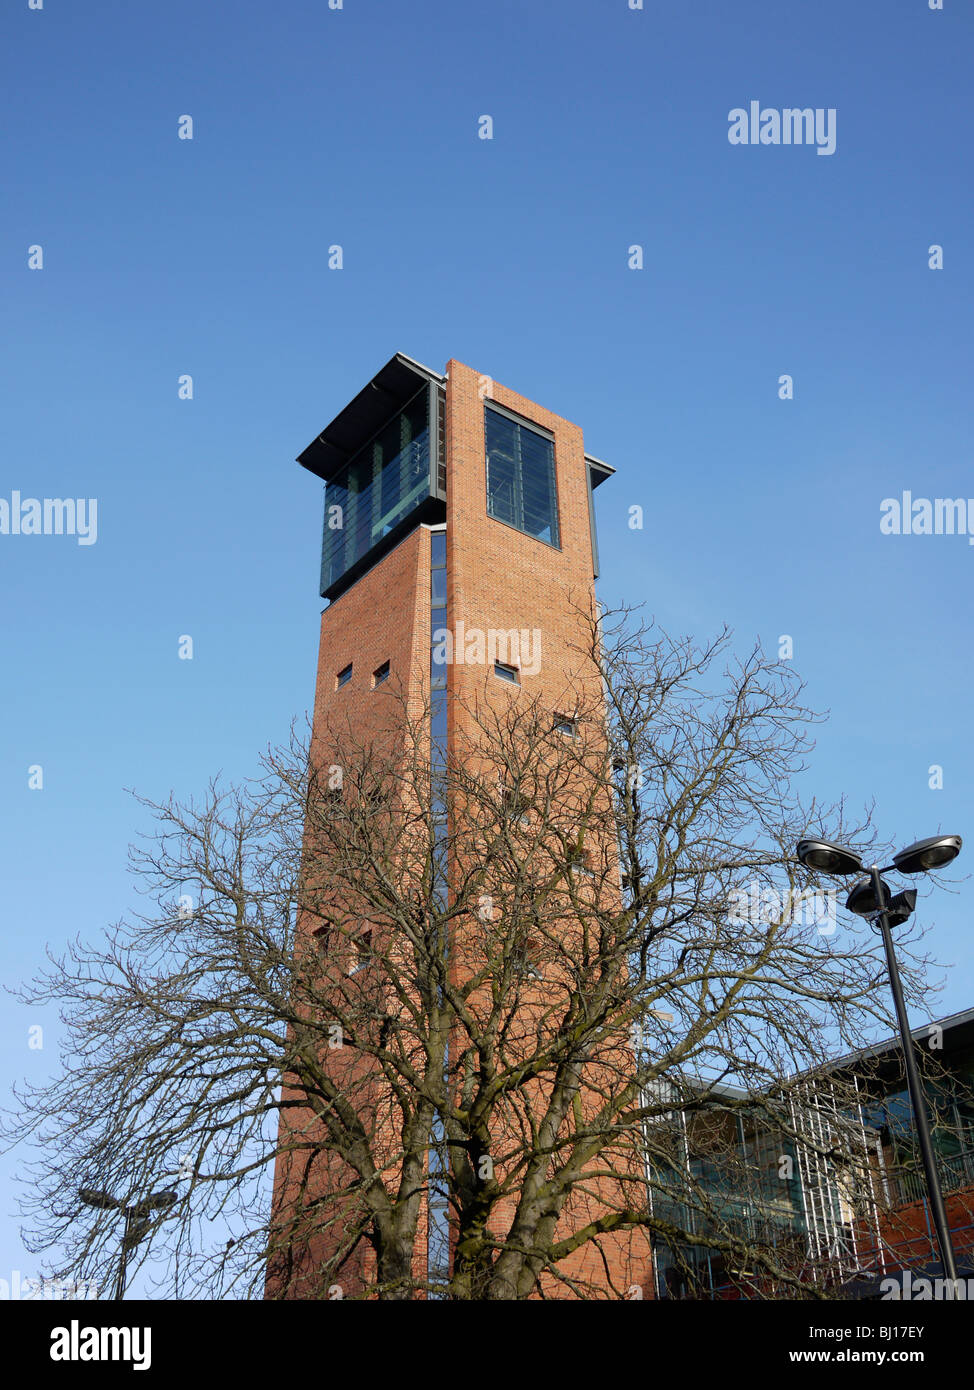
{"x":138,"y":1219}
{"x":872,"y":898}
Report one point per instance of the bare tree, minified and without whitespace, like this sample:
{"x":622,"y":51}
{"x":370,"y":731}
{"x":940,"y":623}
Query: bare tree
{"x":498,"y":985}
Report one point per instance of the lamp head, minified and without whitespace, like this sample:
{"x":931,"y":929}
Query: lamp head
{"x":161,"y":1200}
{"x":925,"y":855}
{"x":828,"y":858}
{"x":901,"y":907}
{"x":862,"y":899}
{"x":93,"y":1198}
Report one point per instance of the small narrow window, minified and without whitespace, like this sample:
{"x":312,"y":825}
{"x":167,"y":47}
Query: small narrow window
{"x":322,"y":940}
{"x":506,"y":673}
{"x":564,"y":725}
{"x":362,"y":946}
{"x":344,"y":676}
{"x":380,"y":674}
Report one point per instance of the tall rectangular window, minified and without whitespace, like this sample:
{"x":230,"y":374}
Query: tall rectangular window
{"x":438,"y":628}
{"x":521,"y":488}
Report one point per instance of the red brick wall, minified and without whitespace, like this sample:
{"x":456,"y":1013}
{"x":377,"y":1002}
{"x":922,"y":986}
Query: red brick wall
{"x":499,"y":578}
{"x":382,"y":617}
{"x":496,"y":576}
{"x":909,"y":1236}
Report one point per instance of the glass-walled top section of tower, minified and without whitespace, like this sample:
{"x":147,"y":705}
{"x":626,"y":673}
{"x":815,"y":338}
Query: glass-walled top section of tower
{"x":384,"y":470}
{"x":376,"y":489}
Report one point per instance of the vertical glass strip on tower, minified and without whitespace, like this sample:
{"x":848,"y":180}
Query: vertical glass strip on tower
{"x":438,"y":1214}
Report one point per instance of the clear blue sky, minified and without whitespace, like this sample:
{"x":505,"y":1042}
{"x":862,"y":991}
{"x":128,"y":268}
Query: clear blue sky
{"x":360,"y":127}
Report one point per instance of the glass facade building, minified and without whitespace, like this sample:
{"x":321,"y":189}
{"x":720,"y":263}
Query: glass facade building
{"x":853,"y":1213}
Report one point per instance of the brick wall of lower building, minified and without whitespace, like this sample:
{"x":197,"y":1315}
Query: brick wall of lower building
{"x":908,"y":1235}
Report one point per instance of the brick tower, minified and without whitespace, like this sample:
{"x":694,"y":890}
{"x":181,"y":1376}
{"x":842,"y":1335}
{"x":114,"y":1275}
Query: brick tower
{"x":453,"y":503}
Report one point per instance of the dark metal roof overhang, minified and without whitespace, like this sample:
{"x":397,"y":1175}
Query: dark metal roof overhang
{"x":598,"y":470}
{"x":389,"y":390}
{"x":958,"y":1035}
{"x":595,"y":474}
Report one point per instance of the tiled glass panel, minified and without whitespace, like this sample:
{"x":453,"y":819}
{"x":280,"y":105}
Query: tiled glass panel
{"x":439,"y":649}
{"x":438,"y":726}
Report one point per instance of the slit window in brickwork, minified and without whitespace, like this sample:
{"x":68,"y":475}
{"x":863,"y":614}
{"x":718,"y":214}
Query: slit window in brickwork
{"x":362,"y":947}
